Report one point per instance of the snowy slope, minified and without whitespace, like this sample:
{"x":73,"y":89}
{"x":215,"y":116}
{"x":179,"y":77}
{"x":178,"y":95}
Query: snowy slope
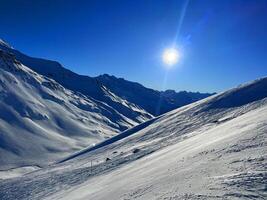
{"x":83,"y":84}
{"x":212,"y":149}
{"x":41,"y":121}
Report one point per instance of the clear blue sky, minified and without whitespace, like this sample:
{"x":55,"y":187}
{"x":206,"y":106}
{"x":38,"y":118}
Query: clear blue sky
{"x":224,"y":43}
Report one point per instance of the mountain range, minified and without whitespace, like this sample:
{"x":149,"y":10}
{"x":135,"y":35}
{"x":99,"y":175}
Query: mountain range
{"x":48,"y":111}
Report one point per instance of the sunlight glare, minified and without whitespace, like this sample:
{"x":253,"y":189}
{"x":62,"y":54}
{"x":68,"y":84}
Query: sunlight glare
{"x":170,"y":56}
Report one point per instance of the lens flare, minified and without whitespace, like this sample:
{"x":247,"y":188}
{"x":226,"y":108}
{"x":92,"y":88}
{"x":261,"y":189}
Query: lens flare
{"x":170,"y":56}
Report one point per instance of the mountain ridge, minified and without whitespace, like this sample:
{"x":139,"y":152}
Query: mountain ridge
{"x":154,"y":101}
{"x":38,"y":116}
{"x":92,"y":110}
{"x":159,"y":101}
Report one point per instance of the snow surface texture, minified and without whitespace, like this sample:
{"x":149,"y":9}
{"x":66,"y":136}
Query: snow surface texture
{"x":41,"y":121}
{"x":210,"y":149}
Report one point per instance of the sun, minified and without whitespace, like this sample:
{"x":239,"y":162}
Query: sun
{"x":170,"y":56}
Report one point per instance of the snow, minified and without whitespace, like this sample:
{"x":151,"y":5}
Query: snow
{"x":197,"y":167}
{"x":153,"y":101}
{"x":41,"y":121}
{"x":122,"y":95}
{"x":5,"y":44}
{"x":48,"y":112}
{"x":205,"y":150}
{"x":85,"y":85}
{"x":16,"y":172}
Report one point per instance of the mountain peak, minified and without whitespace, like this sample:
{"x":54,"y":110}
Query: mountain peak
{"x":109,"y":77}
{"x":5,"y":44}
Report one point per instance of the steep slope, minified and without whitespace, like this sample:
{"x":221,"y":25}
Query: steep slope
{"x":212,"y":149}
{"x":127,"y":95}
{"x":40,"y":120}
{"x":78,"y":83}
{"x":155,"y":102}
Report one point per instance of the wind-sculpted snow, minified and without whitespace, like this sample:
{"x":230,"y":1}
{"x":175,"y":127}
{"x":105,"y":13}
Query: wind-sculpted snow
{"x":189,"y":153}
{"x":242,"y":95}
{"x":111,"y":140}
{"x":41,"y":121}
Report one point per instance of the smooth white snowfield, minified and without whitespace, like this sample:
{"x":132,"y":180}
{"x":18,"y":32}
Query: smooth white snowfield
{"x":212,"y":149}
{"x":41,"y":121}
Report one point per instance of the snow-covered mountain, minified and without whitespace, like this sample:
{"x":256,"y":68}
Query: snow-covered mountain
{"x":40,"y":120}
{"x":153,"y":101}
{"x":59,"y":111}
{"x":211,"y":149}
{"x":79,"y":83}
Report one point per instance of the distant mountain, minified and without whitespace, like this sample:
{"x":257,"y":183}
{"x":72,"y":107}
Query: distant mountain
{"x":153,"y":101}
